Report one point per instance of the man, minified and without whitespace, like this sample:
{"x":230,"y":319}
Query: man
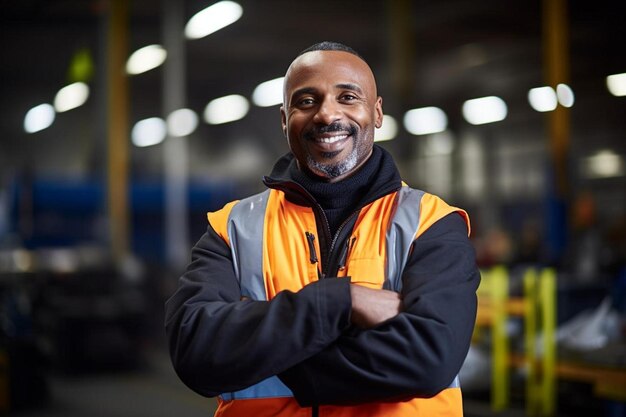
{"x":339,"y":291}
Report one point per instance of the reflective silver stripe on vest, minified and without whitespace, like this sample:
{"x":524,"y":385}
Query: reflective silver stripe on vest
{"x":400,"y":234}
{"x":268,"y":388}
{"x":245,"y":231}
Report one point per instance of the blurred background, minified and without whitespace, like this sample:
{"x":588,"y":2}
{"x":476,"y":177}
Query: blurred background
{"x":124,"y":122}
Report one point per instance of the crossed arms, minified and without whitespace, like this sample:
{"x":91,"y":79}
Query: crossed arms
{"x":332,"y":342}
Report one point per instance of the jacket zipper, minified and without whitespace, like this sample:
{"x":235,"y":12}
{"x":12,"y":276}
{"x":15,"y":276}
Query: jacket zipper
{"x":341,"y":263}
{"x":289,"y":185}
{"x":343,"y":255}
{"x":321,"y":215}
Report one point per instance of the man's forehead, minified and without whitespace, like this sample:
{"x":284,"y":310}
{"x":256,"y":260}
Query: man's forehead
{"x":333,"y":62}
{"x":315,"y":58}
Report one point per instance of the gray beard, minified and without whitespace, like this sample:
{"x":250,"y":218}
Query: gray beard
{"x":334,"y":170}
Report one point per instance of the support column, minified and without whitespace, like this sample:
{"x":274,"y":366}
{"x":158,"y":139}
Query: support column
{"x":556,"y":71}
{"x":175,"y":152}
{"x":117,"y":140}
{"x":401,"y":49}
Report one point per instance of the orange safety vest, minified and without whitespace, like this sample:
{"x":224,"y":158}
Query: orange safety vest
{"x":267,"y":237}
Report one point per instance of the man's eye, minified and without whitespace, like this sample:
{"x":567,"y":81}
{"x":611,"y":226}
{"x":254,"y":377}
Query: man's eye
{"x":305,"y":102}
{"x":348,"y":97}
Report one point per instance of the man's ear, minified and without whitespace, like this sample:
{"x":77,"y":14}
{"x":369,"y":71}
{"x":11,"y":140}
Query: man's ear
{"x":378,"y":122}
{"x":283,"y":120}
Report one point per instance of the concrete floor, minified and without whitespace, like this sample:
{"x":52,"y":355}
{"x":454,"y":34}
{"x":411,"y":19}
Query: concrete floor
{"x":155,"y":391}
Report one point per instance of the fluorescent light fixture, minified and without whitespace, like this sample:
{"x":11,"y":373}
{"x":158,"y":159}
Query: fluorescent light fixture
{"x":542,"y":99}
{"x":269,"y":93}
{"x":387,"y":131}
{"x":616,"y":84}
{"x":484,"y":110}
{"x":565,"y":95}
{"x":182,"y":122}
{"x":39,"y":117}
{"x":148,"y":132}
{"x":145,"y":59}
{"x":604,"y":164}
{"x":212,"y":19}
{"x":226,"y":109}
{"x":425,"y":120}
{"x":71,"y":96}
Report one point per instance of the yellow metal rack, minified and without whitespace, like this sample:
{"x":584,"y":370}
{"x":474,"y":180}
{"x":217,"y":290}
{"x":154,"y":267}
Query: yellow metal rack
{"x":537,"y":307}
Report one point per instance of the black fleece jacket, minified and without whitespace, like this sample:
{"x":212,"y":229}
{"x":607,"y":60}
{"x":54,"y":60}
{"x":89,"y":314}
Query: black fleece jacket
{"x":220,"y":343}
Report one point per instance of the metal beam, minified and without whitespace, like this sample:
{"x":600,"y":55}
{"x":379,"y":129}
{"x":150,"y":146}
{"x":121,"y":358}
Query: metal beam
{"x":557,"y":71}
{"x":117,"y":109}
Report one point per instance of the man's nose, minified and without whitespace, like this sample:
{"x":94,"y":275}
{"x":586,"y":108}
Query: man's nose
{"x":329,"y":111}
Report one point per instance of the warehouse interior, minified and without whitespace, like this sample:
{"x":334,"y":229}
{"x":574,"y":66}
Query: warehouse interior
{"x":102,"y":198}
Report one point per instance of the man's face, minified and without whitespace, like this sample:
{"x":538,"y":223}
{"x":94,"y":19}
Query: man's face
{"x":330,"y":112}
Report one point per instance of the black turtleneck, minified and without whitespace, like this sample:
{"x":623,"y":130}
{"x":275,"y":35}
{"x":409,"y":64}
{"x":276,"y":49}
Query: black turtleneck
{"x":340,"y":199}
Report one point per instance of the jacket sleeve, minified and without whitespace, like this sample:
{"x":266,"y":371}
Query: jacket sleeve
{"x":220,"y":343}
{"x":417,"y":353}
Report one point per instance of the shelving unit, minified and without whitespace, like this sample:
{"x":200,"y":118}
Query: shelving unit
{"x":537,"y":308}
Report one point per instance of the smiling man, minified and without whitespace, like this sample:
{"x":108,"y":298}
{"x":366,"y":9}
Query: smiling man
{"x":330,"y":111}
{"x":338,"y":291}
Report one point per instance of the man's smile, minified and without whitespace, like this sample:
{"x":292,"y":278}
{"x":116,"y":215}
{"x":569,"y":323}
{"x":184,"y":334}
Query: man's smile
{"x":328,"y":144}
{"x":331,"y":139}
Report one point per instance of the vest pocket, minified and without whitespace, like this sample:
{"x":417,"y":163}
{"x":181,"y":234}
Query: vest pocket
{"x":368,"y":272}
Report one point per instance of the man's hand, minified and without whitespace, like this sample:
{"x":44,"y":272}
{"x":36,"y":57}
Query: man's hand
{"x":372,"y":307}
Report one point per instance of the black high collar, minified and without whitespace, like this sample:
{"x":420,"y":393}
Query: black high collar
{"x":378,"y":176}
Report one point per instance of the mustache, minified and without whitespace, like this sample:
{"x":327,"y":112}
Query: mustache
{"x":333,"y":127}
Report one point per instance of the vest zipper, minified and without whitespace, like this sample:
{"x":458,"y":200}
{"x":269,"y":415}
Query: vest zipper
{"x":315,"y":411}
{"x":344,"y":253}
{"x":327,"y":236}
{"x":310,"y":238}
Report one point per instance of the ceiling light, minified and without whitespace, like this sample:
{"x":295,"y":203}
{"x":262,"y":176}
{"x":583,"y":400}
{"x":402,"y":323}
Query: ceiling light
{"x":145,"y":59}
{"x":226,"y":109}
{"x":387,"y":131}
{"x":182,"y":122}
{"x":542,"y":99}
{"x":71,"y":96}
{"x":148,"y":132}
{"x":616,"y":84}
{"x":565,"y":95}
{"x":425,"y":120}
{"x":484,"y":110}
{"x":212,"y":19}
{"x":38,"y":118}
{"x":269,"y":93}
{"x":604,"y":164}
